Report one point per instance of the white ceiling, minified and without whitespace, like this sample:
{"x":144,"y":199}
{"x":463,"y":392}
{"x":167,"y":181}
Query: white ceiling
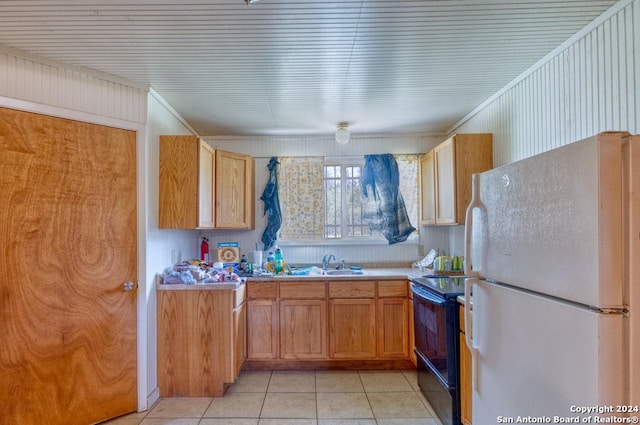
{"x":298,"y":67}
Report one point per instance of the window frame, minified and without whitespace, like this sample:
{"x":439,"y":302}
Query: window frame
{"x":344,"y":163}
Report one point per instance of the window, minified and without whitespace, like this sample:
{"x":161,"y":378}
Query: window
{"x":343,"y":202}
{"x":321,"y":198}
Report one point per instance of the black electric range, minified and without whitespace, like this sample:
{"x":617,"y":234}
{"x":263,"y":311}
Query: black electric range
{"x":436,"y":328}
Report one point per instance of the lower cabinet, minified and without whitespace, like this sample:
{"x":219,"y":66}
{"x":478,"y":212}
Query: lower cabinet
{"x":303,"y":329}
{"x":262,"y":329}
{"x":200,"y":340}
{"x":465,"y":375}
{"x":352,"y":329}
{"x":393,"y":328}
{"x":328,"y":320}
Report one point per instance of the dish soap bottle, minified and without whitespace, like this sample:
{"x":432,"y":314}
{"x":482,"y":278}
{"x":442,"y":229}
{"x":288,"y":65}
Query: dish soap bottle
{"x":243,"y":263}
{"x":279,"y":266}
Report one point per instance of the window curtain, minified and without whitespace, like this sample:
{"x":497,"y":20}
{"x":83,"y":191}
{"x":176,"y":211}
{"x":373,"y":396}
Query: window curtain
{"x":383,"y":206}
{"x":302,"y":197}
{"x":271,"y":206}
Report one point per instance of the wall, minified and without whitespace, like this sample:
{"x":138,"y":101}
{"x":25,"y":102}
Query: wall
{"x":164,"y":247}
{"x":263,"y":148}
{"x":589,"y":84}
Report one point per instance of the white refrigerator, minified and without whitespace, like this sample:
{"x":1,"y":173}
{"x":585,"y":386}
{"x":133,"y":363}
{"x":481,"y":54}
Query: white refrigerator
{"x":553,"y":245}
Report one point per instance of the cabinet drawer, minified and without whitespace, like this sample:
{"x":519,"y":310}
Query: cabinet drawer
{"x":393,"y":289}
{"x":352,"y":289}
{"x":302,"y":290}
{"x":261,"y":290}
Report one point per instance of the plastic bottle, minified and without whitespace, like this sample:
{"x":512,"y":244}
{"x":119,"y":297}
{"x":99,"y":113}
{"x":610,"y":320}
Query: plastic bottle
{"x":278,"y":262}
{"x":243,"y":263}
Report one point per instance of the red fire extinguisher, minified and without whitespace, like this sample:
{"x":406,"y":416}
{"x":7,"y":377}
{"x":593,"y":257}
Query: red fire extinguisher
{"x":204,"y":250}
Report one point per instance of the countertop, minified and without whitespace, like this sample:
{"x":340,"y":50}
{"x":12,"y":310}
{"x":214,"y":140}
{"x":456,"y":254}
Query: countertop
{"x":367,"y":274}
{"x":216,"y":286}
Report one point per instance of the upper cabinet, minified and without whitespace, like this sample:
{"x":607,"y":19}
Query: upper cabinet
{"x":201,"y":188}
{"x":427,"y":189}
{"x":234,"y":191}
{"x":445,"y":177}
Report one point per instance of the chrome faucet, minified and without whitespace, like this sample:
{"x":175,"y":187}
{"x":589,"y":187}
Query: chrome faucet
{"x":327,"y":259}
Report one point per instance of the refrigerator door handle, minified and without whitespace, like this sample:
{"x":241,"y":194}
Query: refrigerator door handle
{"x":474,"y":203}
{"x":468,"y":330}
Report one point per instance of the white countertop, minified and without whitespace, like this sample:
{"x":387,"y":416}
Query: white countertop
{"x":367,"y":274}
{"x":215,"y":286}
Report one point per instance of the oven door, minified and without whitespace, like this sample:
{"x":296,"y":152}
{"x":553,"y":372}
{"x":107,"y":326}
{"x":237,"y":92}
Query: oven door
{"x":435,"y":334}
{"x":436,"y":338}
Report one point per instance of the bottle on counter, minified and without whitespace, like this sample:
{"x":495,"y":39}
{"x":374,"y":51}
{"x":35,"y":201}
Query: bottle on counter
{"x":279,"y":263}
{"x":243,"y":263}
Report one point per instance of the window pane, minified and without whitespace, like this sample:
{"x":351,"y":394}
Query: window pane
{"x":343,"y":199}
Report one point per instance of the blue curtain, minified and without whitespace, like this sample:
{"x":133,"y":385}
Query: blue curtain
{"x":271,"y":206}
{"x":384,"y":210}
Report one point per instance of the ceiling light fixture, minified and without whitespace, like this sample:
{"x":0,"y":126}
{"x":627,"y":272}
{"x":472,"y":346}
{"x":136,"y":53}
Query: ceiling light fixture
{"x":343,"y":135}
{"x":248,"y":2}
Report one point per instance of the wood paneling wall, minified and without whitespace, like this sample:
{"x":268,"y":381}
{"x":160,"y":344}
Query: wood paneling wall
{"x":49,"y":83}
{"x":589,"y":84}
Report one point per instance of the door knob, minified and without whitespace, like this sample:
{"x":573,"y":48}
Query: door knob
{"x":128,"y":286}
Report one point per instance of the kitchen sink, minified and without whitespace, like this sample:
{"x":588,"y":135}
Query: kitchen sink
{"x":344,"y":272}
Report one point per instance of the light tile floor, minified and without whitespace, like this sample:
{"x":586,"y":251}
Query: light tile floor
{"x":300,"y":398}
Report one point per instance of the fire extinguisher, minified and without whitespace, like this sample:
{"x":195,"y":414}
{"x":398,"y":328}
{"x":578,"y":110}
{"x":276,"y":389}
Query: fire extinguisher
{"x":204,"y":250}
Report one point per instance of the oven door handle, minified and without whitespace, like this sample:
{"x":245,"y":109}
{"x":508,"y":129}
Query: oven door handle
{"x":426,"y":295}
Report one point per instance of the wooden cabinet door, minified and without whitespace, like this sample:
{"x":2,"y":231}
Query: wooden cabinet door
{"x":352,"y":328}
{"x":465,"y":375}
{"x":262,"y":329}
{"x":393,"y":328}
{"x":240,"y":337}
{"x":427,"y":189}
{"x":452,"y":162}
{"x":178,"y":182}
{"x":195,"y":342}
{"x":206,"y":165}
{"x":445,"y":157}
{"x":234,"y":191}
{"x":303,"y":329}
{"x":68,"y":243}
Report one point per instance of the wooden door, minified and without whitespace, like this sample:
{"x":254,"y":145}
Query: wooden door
{"x":67,"y":246}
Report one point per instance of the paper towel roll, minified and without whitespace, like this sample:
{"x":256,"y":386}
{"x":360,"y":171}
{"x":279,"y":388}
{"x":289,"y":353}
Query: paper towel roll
{"x":257,"y":258}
